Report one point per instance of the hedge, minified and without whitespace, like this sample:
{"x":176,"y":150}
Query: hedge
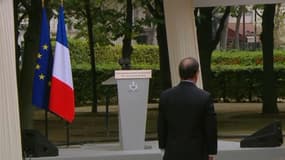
{"x":236,"y":76}
{"x":83,"y":91}
{"x":227,"y":85}
{"x":148,"y":55}
{"x":109,"y":55}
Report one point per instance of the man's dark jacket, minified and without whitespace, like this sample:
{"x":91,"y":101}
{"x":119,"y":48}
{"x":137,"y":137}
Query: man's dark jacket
{"x":187,"y":128}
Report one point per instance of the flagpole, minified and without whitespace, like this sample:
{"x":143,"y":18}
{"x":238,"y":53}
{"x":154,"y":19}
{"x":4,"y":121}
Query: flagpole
{"x":61,"y":2}
{"x":46,"y":112}
{"x":46,"y":123}
{"x":65,"y":83}
{"x":67,"y":134}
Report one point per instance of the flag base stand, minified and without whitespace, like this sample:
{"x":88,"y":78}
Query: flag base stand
{"x":67,"y":126}
{"x":34,"y":144}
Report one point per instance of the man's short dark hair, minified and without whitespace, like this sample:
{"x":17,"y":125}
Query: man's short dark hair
{"x":188,"y":68}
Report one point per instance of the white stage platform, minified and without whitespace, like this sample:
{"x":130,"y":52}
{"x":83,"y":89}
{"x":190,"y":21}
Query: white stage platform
{"x":111,"y":151}
{"x":232,"y":151}
{"x":106,"y":151}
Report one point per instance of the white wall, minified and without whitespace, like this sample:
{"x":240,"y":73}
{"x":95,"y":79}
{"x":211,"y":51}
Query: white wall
{"x":10,"y":148}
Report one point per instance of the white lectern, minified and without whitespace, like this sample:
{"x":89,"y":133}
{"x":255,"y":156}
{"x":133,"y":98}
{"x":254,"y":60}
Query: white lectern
{"x":133,"y":96}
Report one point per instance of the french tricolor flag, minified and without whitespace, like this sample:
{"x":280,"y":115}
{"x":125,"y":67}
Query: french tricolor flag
{"x":62,"y":92}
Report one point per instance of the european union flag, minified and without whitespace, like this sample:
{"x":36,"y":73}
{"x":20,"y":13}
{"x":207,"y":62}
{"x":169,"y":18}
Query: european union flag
{"x":43,"y":68}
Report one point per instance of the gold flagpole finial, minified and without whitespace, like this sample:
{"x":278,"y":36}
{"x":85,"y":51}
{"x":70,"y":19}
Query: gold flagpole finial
{"x":43,"y":3}
{"x":61,"y":2}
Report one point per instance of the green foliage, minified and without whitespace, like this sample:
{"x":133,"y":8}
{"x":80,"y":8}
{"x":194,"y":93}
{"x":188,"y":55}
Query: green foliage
{"x":79,"y":51}
{"x":143,"y":55}
{"x":108,"y":18}
{"x":148,"y":55}
{"x":237,"y":75}
{"x":83,"y":80}
{"x":235,"y":85}
{"x":83,"y":92}
{"x":243,"y":59}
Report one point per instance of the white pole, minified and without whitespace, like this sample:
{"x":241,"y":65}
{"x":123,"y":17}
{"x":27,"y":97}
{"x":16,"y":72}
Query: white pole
{"x":10,"y":139}
{"x":181,"y":35}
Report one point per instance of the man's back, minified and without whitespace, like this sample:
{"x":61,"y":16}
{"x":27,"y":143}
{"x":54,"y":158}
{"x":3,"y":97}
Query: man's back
{"x":186,"y":124}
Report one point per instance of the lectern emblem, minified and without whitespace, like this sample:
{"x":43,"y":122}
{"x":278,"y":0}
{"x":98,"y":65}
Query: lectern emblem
{"x":133,"y":86}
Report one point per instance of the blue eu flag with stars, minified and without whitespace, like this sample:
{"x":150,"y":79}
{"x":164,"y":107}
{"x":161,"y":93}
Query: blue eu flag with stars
{"x":43,"y":67}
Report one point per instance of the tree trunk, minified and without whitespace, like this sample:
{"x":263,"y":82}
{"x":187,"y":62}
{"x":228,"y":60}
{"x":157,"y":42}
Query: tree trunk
{"x":269,"y":91}
{"x":30,"y":51}
{"x":163,"y":47}
{"x":163,"y":56}
{"x":125,"y":61}
{"x":278,"y":24}
{"x":207,"y":41}
{"x":204,"y":35}
{"x":92,"y":53}
{"x":236,"y":44}
{"x":224,"y":35}
{"x":157,"y":12}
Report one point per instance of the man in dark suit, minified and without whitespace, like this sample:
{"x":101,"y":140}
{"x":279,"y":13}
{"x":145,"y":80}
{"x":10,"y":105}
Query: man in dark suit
{"x":187,"y":126}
